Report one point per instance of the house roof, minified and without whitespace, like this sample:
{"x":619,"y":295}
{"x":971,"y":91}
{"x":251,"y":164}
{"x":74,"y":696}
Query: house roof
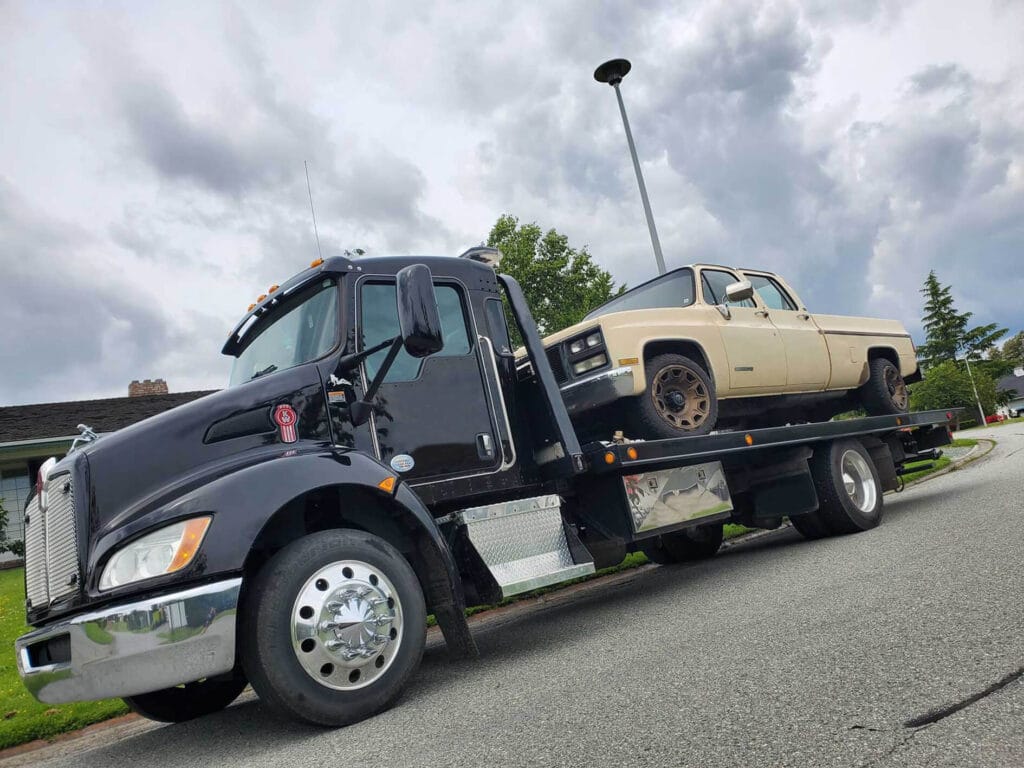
{"x":19,"y":423}
{"x":1012,"y":382}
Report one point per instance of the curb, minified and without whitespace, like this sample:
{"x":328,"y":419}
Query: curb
{"x":495,"y":617}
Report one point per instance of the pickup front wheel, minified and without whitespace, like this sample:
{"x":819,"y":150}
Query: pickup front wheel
{"x":679,"y":401}
{"x":884,"y":392}
{"x":333,"y":628}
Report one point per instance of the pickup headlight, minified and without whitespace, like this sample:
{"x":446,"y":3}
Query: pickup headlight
{"x":597,"y":361}
{"x":164,"y":551}
{"x":590,"y":341}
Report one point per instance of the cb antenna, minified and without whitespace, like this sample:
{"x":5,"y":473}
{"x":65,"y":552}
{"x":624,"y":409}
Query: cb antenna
{"x":312,"y":209}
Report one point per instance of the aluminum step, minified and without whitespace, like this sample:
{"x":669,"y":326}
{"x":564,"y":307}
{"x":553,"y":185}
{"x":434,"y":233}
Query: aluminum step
{"x":523,"y":543}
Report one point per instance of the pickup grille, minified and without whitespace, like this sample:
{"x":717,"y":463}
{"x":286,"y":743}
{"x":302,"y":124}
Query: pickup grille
{"x":51,"y":549}
{"x":557,"y":366}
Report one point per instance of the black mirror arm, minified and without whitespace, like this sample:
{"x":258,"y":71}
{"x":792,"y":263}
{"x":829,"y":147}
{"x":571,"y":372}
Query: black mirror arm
{"x":349,"y":361}
{"x":396,"y":344}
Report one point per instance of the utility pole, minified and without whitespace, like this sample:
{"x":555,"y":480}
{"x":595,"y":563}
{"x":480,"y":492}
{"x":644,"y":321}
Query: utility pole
{"x":612,"y":72}
{"x":977,"y":400}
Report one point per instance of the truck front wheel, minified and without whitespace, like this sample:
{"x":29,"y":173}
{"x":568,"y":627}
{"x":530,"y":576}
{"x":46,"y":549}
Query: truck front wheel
{"x":885,"y":392}
{"x":684,"y":546}
{"x":333,"y":628}
{"x":679,"y":401}
{"x":189,"y":701}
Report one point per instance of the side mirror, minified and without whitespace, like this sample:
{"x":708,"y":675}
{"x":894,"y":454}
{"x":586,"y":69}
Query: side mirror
{"x":418,"y":320}
{"x":740,"y":291}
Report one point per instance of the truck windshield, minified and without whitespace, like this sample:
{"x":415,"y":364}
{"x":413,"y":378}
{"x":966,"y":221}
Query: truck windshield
{"x":305,"y":332}
{"x":673,"y":290}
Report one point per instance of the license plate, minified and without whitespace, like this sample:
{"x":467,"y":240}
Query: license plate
{"x":669,"y":497}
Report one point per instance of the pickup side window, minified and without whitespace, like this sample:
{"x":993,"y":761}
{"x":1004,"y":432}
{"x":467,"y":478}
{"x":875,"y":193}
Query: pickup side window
{"x":714,"y":282}
{"x":771,"y":293}
{"x":672,"y":290}
{"x":379,"y":311}
{"x":307,"y":331}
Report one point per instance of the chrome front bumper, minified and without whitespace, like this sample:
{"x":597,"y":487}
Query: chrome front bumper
{"x":597,"y":390}
{"x":133,"y":648}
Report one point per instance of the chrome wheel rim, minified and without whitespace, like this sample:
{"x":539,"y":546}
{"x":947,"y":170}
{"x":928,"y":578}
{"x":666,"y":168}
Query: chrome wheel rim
{"x":896,"y":387}
{"x":681,"y":397}
{"x":858,"y":481}
{"x":346,"y":625}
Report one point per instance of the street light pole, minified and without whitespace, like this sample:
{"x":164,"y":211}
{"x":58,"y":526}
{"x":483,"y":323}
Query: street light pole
{"x":977,"y":400}
{"x":612,"y":72}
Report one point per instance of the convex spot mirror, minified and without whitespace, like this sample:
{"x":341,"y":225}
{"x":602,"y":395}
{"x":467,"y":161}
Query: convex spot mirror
{"x":740,"y":291}
{"x":418,"y":319}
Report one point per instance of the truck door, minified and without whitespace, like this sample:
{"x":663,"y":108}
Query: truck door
{"x":433,"y":417}
{"x":757,"y":358}
{"x":807,"y":360}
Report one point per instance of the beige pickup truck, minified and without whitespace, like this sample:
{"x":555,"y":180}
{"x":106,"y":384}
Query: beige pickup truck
{"x":706,"y":346}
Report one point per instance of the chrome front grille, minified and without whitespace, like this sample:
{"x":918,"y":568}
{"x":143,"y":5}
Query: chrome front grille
{"x":51,"y":549}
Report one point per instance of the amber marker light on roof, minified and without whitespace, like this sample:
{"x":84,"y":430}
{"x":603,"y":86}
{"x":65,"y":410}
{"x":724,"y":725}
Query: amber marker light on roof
{"x":273,"y":288}
{"x":387,"y":484}
{"x":251,"y":308}
{"x":748,"y":439}
{"x":631,"y":452}
{"x":316,"y":263}
{"x":261,"y":297}
{"x":189,"y":544}
{"x":609,"y":458}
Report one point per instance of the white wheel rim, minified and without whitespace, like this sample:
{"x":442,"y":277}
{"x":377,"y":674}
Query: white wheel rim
{"x":346,"y":625}
{"x":858,"y":482}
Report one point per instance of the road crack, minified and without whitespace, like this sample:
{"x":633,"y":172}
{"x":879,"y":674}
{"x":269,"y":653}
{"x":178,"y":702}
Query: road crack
{"x":935,"y":715}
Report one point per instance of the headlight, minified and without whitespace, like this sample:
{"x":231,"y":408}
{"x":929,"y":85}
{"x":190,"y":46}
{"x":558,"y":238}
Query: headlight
{"x":590,"y":364}
{"x":594,"y":339}
{"x":589,"y":341}
{"x":164,"y":551}
{"x":576,"y":347}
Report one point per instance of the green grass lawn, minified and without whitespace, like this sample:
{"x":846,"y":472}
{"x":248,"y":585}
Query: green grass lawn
{"x":22,"y":718}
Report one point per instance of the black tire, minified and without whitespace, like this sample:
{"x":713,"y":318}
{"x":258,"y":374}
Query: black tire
{"x":305,"y":569}
{"x":685,"y":546}
{"x":885,"y":392}
{"x":189,"y":701}
{"x":679,"y":400}
{"x":841,"y":510}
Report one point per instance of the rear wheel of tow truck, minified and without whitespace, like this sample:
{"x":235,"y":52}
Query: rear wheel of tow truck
{"x":690,"y":544}
{"x":189,"y":701}
{"x":333,"y":628}
{"x":679,"y":400}
{"x":885,"y":392}
{"x":849,"y":492}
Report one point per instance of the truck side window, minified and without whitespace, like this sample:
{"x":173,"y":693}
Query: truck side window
{"x":497,"y":326}
{"x":379,"y":312}
{"x":771,"y":293}
{"x":714,"y":283}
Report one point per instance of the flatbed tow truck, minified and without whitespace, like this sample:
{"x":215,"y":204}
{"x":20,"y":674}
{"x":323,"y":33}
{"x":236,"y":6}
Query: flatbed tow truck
{"x":378,"y":456}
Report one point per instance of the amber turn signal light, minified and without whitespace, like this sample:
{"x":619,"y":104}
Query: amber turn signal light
{"x":631,"y":452}
{"x":189,"y":544}
{"x":748,"y":439}
{"x":387,"y":484}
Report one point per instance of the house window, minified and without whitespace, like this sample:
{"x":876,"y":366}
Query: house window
{"x":15,"y":485}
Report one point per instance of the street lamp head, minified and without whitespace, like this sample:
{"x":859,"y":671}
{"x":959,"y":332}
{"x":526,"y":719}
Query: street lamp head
{"x":613,"y":71}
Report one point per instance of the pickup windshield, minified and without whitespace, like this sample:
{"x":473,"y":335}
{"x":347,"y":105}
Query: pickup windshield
{"x":673,"y":290}
{"x":306,"y":331}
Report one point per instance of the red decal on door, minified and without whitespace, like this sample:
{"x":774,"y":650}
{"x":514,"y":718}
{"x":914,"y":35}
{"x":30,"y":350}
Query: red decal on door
{"x":286,"y":418}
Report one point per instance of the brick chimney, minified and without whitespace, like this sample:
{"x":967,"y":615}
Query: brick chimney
{"x":146,"y":388}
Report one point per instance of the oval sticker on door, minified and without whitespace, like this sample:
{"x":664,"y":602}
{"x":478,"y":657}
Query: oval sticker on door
{"x":403,"y":462}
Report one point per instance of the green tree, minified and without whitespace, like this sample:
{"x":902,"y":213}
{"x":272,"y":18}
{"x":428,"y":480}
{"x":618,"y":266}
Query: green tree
{"x":947,"y":334}
{"x":561,"y":283}
{"x":1013,"y":349}
{"x":947,"y":385}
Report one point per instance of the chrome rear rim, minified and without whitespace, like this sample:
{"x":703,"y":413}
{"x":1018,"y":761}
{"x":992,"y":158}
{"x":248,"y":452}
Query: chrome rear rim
{"x":346,"y":625}
{"x":858,"y":481}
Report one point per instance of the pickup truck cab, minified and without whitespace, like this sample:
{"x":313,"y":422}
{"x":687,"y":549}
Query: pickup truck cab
{"x":707,"y":345}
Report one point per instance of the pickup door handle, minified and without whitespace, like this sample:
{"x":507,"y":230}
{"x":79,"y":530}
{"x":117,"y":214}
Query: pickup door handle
{"x":804,"y":316}
{"x":761,"y":313}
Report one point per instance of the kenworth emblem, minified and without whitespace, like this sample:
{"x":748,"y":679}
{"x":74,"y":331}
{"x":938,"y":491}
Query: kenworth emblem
{"x":286,"y":418}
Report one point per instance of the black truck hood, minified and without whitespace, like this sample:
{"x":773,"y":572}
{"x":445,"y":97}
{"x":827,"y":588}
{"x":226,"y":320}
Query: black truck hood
{"x":136,"y":470}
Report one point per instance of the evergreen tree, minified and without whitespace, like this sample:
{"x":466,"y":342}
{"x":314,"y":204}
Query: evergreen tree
{"x":1013,"y":349}
{"x":947,"y":334}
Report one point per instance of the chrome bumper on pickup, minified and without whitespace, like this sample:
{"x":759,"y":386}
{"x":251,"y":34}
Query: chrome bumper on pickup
{"x":597,"y":390}
{"x":133,"y":648}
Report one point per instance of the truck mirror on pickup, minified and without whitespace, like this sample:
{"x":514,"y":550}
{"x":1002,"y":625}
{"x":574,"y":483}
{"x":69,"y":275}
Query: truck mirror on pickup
{"x":740,"y":291}
{"x":418,"y":319}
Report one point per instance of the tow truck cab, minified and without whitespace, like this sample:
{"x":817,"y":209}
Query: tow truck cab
{"x":377,"y":457}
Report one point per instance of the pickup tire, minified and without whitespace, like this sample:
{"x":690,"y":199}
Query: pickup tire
{"x":849,"y":492}
{"x":333,"y":628}
{"x":187,"y":702}
{"x":885,"y":392}
{"x":679,"y":400}
{"x":684,"y":546}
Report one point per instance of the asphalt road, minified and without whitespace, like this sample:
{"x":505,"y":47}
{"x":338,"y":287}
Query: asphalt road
{"x":777,"y":652}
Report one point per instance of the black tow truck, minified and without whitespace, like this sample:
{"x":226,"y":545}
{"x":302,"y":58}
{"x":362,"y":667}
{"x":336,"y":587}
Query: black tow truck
{"x":380,"y":456}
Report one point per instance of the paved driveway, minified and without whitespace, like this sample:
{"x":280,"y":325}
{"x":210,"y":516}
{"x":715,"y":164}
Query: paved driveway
{"x":777,"y":652}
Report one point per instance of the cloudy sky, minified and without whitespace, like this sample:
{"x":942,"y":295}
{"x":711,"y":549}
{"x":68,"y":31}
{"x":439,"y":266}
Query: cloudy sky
{"x":151,"y":159}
